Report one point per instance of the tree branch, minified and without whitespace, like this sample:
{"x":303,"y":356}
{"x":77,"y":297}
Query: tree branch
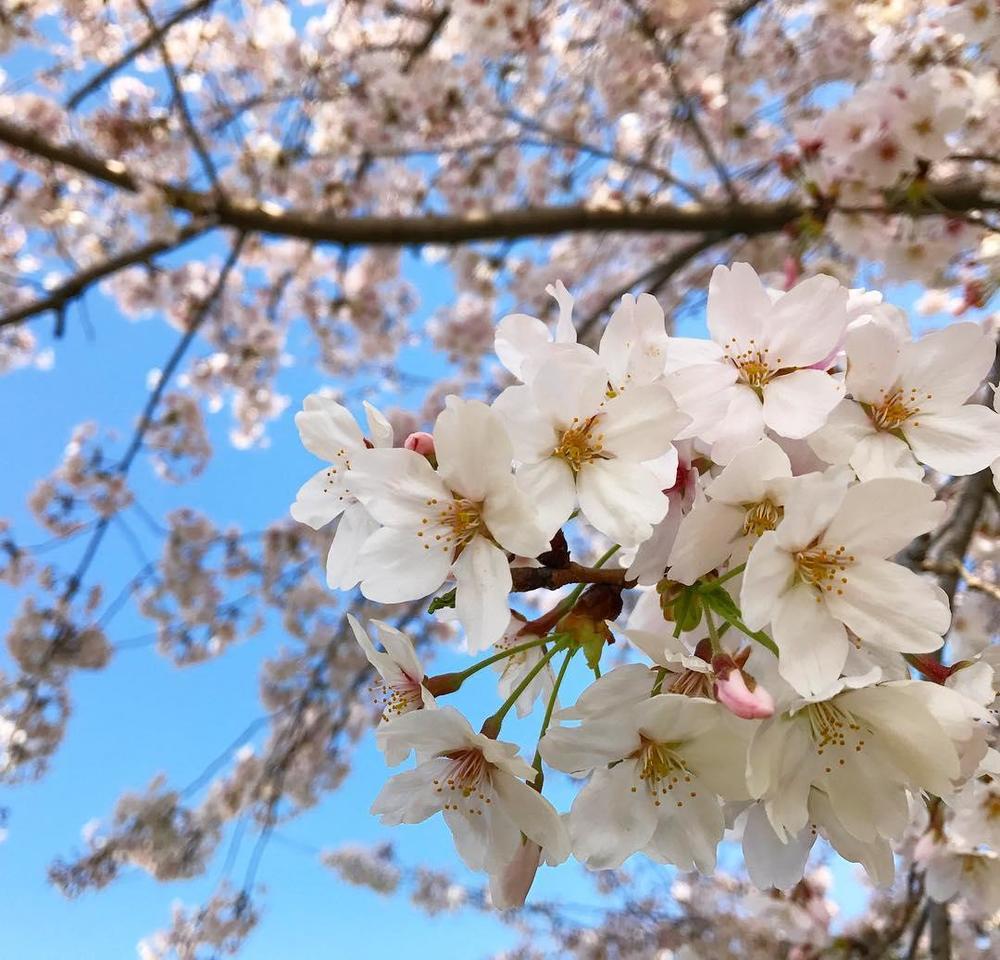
{"x":77,"y":285}
{"x":545,"y":578}
{"x":250,"y":216}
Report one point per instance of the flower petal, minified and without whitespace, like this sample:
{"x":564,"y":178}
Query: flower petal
{"x":343,"y":567}
{"x":622,"y":500}
{"x":483,"y":579}
{"x":396,"y":566}
{"x":798,"y":403}
{"x":768,"y":575}
{"x":472,"y":447}
{"x":812,"y":644}
{"x":960,"y":441}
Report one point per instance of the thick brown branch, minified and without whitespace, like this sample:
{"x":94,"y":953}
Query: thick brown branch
{"x":544,"y":578}
{"x":249,"y":216}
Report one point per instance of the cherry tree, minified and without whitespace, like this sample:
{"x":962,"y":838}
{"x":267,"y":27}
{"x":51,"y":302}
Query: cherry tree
{"x":765,"y":556}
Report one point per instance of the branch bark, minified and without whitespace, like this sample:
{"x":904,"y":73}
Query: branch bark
{"x":545,"y":578}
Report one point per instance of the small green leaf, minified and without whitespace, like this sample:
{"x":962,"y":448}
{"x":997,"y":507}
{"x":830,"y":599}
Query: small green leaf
{"x":442,"y":602}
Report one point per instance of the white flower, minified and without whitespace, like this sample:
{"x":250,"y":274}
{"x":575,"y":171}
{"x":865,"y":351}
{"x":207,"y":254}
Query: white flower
{"x":401,"y":676}
{"x":773,"y":863}
{"x":961,"y":871}
{"x":864,"y":749}
{"x":516,"y":666}
{"x":764,"y":367}
{"x":659,"y":771}
{"x":328,"y":430}
{"x":822,"y":572}
{"x":458,"y":519}
{"x":475,"y":781}
{"x":908,"y":404}
{"x":578,"y":441}
{"x":740,"y":504}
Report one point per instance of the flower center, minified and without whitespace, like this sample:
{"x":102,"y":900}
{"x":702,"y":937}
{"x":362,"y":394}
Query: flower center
{"x":580,"y":444}
{"x":823,"y":568}
{"x":833,"y":729}
{"x":466,"y":778}
{"x":396,"y":698}
{"x":692,"y":683}
{"x":755,"y":367}
{"x":461,"y":519}
{"x":761,"y":517}
{"x":663,"y":772}
{"x":894,"y":408}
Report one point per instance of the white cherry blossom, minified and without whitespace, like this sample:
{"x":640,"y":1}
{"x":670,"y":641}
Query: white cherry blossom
{"x":328,"y":430}
{"x":823,"y":572}
{"x":477,"y":783}
{"x":765,"y":368}
{"x":660,"y":771}
{"x":908,"y":404}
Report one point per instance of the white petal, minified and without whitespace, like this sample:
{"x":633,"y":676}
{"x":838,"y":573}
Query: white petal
{"x":518,"y":337}
{"x":327,"y":428}
{"x":570,"y":382}
{"x":703,"y":392}
{"x":411,"y":796}
{"x":737,"y":304}
{"x":884,"y":455}
{"x":608,"y":821}
{"x":640,"y":423}
{"x":593,"y":744}
{"x":746,"y":477}
{"x":873,"y":353}
{"x":960,"y":441}
{"x":320,"y":499}
{"x":798,"y":403}
{"x":622,"y":500}
{"x":770,"y":862}
{"x":532,"y":434}
{"x":813,"y":645}
{"x":511,"y":518}
{"x":400,"y":648}
{"x":536,"y":817}
{"x":888,"y":605}
{"x":343,"y":562}
{"x":807,"y":324}
{"x":705,"y":539}
{"x":396,"y":485}
{"x":551,"y":487}
{"x":768,"y":575}
{"x":378,"y":426}
{"x":396,"y":566}
{"x":846,"y":427}
{"x":881,"y":517}
{"x":428,"y":732}
{"x":483,"y":579}
{"x":949,"y":364}
{"x":472,"y":447}
{"x":741,"y":426}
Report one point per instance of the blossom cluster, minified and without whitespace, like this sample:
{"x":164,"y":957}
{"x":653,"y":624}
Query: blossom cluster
{"x":758,"y":491}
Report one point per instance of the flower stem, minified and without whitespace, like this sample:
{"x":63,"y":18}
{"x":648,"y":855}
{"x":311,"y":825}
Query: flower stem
{"x":713,"y":633}
{"x":461,"y":676}
{"x":546,"y":719}
{"x":728,"y":575}
{"x":493,"y":722}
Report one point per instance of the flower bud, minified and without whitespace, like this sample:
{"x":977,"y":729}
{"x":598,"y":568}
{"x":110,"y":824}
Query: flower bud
{"x":749,"y":701}
{"x":509,"y":888}
{"x":420,"y":442}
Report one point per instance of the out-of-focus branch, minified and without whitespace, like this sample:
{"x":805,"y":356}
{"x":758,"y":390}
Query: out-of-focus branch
{"x":77,"y":285}
{"x":198,"y":317}
{"x":180,"y":101}
{"x":940,"y":924}
{"x":250,"y":216}
{"x":154,"y":36}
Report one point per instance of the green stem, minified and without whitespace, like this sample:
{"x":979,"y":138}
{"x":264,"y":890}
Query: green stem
{"x":509,"y":652}
{"x":497,"y":718}
{"x":713,"y":633}
{"x":546,"y":719}
{"x":728,"y":575}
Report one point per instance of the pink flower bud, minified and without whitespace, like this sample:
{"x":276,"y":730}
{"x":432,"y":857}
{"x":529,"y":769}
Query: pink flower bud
{"x":420,"y":442}
{"x":734,"y":694}
{"x":509,"y":888}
